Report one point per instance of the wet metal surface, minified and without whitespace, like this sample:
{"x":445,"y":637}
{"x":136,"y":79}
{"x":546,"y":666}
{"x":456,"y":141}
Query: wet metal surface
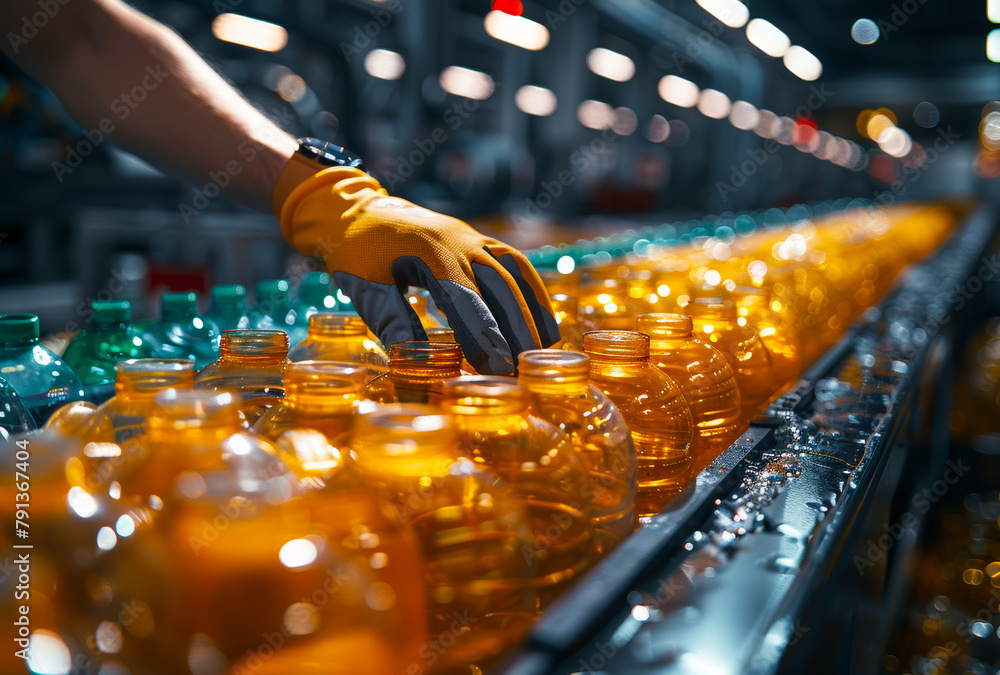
{"x":725,"y":582}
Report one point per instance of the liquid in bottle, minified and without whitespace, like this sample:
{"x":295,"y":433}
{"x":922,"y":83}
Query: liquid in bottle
{"x":654,"y":409}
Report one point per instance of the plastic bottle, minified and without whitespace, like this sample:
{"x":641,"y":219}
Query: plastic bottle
{"x":70,"y":530}
{"x":252,"y":363}
{"x":558,"y":383}
{"x":538,"y":463}
{"x":14,"y":415}
{"x":180,"y":333}
{"x":239,"y":553}
{"x":94,"y":352}
{"x":417,"y":371}
{"x":471,"y":528}
{"x":343,"y":338}
{"x":567,"y":312}
{"x":42,"y":380}
{"x":705,"y":378}
{"x":445,"y":334}
{"x":654,"y":409}
{"x":716,"y":321}
{"x":192,"y":431}
{"x":273,"y":309}
{"x":320,"y":395}
{"x":124,"y":415}
{"x":314,"y":296}
{"x":778,"y":335}
{"x":229,"y":307}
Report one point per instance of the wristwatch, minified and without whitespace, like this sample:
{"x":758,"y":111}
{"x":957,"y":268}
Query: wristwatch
{"x":328,"y":154}
{"x":311,"y":157}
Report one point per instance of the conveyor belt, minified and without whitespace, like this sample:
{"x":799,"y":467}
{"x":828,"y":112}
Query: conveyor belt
{"x":786,"y":554}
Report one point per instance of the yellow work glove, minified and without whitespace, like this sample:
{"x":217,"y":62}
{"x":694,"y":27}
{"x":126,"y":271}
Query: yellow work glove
{"x":376,"y":246}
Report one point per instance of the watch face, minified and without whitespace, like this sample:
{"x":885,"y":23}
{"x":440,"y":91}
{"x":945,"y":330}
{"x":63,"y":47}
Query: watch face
{"x":328,"y":154}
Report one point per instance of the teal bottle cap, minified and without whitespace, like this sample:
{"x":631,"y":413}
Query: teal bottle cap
{"x":314,"y":289}
{"x":271,"y":288}
{"x":229,"y":295}
{"x":18,"y":328}
{"x":178,"y":303}
{"x":111,"y":311}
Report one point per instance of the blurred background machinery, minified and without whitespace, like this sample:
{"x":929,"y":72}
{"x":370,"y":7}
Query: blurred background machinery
{"x":532,"y":119}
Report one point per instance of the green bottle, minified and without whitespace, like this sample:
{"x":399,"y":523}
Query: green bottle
{"x":229,"y":307}
{"x":94,"y":353}
{"x":43,"y":381}
{"x":273,"y":307}
{"x":14,"y":416}
{"x":315,"y":296}
{"x":180,"y":333}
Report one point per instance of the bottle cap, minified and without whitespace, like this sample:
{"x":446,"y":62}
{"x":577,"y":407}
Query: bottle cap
{"x":315,"y":289}
{"x":275,"y":290}
{"x":18,"y":328}
{"x":229,"y":296}
{"x":111,"y":311}
{"x":178,"y":303}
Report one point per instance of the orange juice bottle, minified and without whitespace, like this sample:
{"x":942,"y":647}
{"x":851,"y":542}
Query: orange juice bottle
{"x":471,"y":528}
{"x":653,"y":408}
{"x":560,"y":393}
{"x":343,"y":338}
{"x":124,"y":415}
{"x":716,"y":321}
{"x":539,"y":464}
{"x":251,"y":362}
{"x":705,"y":379}
{"x":416,"y":372}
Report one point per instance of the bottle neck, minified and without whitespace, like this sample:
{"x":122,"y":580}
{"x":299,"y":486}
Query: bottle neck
{"x":261,"y":347}
{"x":610,"y":347}
{"x":484,"y":395}
{"x":185,"y":418}
{"x":142,"y":379}
{"x":665,"y":331}
{"x":425,"y":362}
{"x":554,"y":373}
{"x":326,"y":325}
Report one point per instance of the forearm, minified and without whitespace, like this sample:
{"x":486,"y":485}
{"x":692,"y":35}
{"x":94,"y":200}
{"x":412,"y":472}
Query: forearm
{"x":101,"y":57}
